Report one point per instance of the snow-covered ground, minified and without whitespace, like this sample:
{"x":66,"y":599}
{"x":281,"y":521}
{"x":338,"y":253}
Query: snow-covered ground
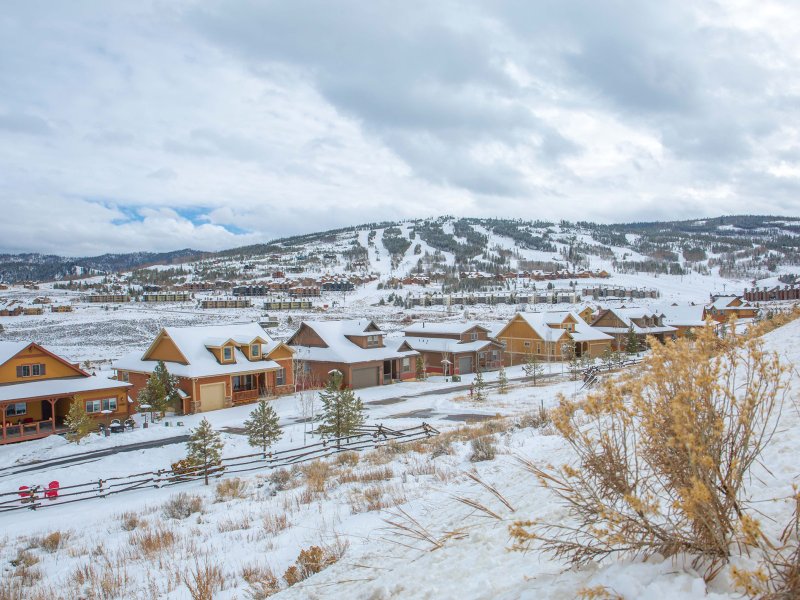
{"x":347,"y":506}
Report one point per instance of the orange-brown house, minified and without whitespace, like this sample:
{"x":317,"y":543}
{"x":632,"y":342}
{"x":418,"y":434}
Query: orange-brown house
{"x":550,"y":336}
{"x":723,"y":308}
{"x":38,"y":387}
{"x":454,"y":348}
{"x":217,"y":366}
{"x":356,"y":347}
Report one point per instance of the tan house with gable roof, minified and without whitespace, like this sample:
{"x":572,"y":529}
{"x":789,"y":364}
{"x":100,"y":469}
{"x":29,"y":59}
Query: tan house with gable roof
{"x":216,"y":366}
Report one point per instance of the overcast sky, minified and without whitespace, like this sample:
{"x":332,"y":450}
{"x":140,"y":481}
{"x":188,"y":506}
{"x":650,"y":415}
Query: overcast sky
{"x":153,"y":125}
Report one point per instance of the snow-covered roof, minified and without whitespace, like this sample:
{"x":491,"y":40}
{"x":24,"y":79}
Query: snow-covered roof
{"x":194,"y":343}
{"x":9,"y":350}
{"x":627,"y":314}
{"x":683,"y":315}
{"x":449,"y":327}
{"x":53,"y":387}
{"x":448,"y":345}
{"x":340,"y":349}
{"x":724,"y":303}
{"x":542,"y":322}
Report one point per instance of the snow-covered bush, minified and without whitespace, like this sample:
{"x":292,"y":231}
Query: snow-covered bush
{"x":483,"y":448}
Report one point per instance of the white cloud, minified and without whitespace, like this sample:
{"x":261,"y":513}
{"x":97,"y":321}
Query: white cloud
{"x":161,"y":125}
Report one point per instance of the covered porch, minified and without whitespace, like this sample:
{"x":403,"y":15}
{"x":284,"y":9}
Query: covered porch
{"x":250,"y":387}
{"x":30,"y":419}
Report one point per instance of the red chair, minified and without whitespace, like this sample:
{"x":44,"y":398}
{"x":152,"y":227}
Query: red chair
{"x":51,"y":492}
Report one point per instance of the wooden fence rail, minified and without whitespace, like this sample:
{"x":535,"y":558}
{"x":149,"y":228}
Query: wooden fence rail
{"x":38,"y":496}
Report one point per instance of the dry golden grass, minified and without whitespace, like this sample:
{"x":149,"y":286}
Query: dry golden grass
{"x":129,"y":521}
{"x":274,"y":523}
{"x":51,"y":542}
{"x":182,"y":506}
{"x":316,"y":475}
{"x":366,"y":475}
{"x":204,"y":580}
{"x":310,"y":561}
{"x":348,"y":459}
{"x":375,"y":497}
{"x":230,"y":489}
{"x":261,"y":580}
{"x":152,"y":541}
{"x":235,"y":523}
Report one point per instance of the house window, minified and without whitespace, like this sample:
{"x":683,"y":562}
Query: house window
{"x":526,"y":344}
{"x":372,"y":341}
{"x":15,"y":410}
{"x":538,"y":348}
{"x":255,"y":350}
{"x":36,"y":370}
{"x":280,"y":377}
{"x":123,"y":376}
{"x":406,"y":365}
{"x":227,"y":353}
{"x":95,"y":406}
{"x":473,"y":336}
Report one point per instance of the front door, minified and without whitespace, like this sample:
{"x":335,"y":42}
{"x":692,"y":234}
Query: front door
{"x":47,"y":410}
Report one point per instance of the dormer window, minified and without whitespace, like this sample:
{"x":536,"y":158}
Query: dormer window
{"x":373,"y":341}
{"x":255,"y":350}
{"x":227,"y":354}
{"x":473,"y":336}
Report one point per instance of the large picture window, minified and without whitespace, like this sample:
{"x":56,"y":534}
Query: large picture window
{"x":101,"y":404}
{"x":15,"y":410}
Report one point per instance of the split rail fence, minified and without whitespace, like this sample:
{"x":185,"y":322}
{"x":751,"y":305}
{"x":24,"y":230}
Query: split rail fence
{"x":39,"y":496}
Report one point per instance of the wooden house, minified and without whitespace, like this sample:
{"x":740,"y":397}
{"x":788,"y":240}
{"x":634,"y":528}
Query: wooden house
{"x":454,"y":348}
{"x":685,"y":318}
{"x":723,"y":308}
{"x":643,"y":322}
{"x":217,"y":366}
{"x":356,"y":347}
{"x":550,"y":336}
{"x":38,"y":387}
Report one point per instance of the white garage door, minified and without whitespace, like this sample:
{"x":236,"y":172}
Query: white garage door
{"x":465,"y":364}
{"x":365,"y":377}
{"x":212,"y":397}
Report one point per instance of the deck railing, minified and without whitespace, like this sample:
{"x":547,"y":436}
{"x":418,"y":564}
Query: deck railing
{"x":18,"y":432}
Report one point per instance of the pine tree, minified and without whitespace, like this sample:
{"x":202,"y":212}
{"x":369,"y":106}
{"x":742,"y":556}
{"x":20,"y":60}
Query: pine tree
{"x":262,"y":427}
{"x":502,"y":380}
{"x":420,"y":365}
{"x":342,"y":411}
{"x":479,"y":387}
{"x":607,"y":358}
{"x":78,"y":422}
{"x":533,"y":368}
{"x":204,"y":447}
{"x":153,"y":394}
{"x":170,"y":384}
{"x":631,"y":342}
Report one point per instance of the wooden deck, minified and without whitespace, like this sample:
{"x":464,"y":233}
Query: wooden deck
{"x":22,"y":432}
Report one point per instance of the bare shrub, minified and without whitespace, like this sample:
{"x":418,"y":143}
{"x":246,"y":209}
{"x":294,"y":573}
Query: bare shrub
{"x":234,"y":523}
{"x":483,"y":448}
{"x":310,"y":561}
{"x":349,"y":459}
{"x":182,"y":506}
{"x":262,"y":582}
{"x":50,"y":542}
{"x":537,"y":419}
{"x":281,"y":479}
{"x":230,"y":489}
{"x":441,"y":447}
{"x":662,"y":455}
{"x":204,"y":580}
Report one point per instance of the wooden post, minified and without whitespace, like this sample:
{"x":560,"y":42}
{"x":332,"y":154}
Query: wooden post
{"x":52,"y":402}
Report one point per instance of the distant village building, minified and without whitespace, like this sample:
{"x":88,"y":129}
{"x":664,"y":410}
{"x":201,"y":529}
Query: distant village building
{"x":107,"y":298}
{"x":225,"y":303}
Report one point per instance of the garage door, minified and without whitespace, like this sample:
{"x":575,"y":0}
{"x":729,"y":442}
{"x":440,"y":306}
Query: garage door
{"x":212,"y":397}
{"x":366,"y":377}
{"x":465,"y":364}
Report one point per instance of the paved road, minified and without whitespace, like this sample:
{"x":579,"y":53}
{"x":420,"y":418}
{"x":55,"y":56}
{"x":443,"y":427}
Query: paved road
{"x":87,"y":457}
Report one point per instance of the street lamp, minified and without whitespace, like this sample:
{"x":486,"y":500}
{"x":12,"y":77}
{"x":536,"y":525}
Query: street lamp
{"x":145,"y":407}
{"x":107,"y":412}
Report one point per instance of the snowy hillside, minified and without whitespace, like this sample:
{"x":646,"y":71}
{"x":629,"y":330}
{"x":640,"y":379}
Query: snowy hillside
{"x":422,"y":521}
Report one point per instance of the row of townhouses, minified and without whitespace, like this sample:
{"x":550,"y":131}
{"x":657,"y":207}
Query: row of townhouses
{"x":221,"y":366}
